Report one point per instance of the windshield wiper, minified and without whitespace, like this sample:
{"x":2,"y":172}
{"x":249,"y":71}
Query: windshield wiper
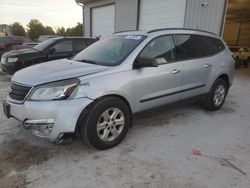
{"x":88,"y":61}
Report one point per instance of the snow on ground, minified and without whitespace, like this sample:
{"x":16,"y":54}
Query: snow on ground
{"x":157,"y":151}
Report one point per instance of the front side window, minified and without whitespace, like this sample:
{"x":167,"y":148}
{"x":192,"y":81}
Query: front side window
{"x":64,"y":46}
{"x":162,"y":49}
{"x":110,"y":51}
{"x":43,"y":45}
{"x":190,"y":47}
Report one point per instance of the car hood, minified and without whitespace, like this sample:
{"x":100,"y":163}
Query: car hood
{"x":20,"y":52}
{"x":54,"y":71}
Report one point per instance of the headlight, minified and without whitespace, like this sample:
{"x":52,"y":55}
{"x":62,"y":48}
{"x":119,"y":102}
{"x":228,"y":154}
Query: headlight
{"x":54,"y":91}
{"x":12,"y":59}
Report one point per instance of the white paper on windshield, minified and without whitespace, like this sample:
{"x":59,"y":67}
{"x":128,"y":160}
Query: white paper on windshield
{"x":161,"y":60}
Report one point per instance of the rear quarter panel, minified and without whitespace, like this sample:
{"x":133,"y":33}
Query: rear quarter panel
{"x":222,"y":63}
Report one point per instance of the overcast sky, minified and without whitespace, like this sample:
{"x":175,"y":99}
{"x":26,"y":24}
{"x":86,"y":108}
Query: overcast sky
{"x":55,"y":13}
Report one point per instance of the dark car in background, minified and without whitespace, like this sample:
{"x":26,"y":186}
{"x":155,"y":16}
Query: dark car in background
{"x":51,"y":49}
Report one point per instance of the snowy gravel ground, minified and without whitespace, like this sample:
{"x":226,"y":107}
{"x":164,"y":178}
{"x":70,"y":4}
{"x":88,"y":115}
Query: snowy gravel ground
{"x":157,"y":152}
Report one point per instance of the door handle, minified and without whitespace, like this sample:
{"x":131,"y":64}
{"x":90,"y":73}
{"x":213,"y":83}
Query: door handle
{"x":175,"y":71}
{"x":208,"y":65}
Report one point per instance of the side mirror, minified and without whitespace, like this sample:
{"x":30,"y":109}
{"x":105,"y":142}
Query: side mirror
{"x":52,"y":50}
{"x":145,"y":62}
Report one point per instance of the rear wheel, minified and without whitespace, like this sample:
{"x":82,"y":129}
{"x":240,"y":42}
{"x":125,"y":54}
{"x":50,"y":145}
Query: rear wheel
{"x":106,"y":123}
{"x":217,"y":95}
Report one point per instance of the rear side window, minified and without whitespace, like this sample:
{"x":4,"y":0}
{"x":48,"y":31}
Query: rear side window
{"x":212,"y":45}
{"x":64,"y":46}
{"x":79,"y":45}
{"x":190,"y":47}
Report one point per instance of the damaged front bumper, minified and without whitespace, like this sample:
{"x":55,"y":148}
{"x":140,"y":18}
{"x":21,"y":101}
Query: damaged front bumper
{"x":47,"y":119}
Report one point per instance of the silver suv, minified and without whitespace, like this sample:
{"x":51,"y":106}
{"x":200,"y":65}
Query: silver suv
{"x":95,"y":93}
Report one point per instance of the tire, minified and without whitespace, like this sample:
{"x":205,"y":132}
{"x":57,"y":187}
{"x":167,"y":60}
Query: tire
{"x":97,"y":128}
{"x":217,"y":95}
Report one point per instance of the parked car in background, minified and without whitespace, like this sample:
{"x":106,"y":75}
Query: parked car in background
{"x":32,"y":44}
{"x":95,"y":93}
{"x":50,"y":49}
{"x":7,"y":43}
{"x":24,"y":45}
{"x":241,"y":54}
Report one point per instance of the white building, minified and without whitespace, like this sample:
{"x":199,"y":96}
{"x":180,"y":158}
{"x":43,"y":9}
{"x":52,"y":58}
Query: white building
{"x":104,"y":17}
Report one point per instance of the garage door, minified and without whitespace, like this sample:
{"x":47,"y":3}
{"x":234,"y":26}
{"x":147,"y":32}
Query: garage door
{"x":103,"y":20}
{"x":161,"y":14}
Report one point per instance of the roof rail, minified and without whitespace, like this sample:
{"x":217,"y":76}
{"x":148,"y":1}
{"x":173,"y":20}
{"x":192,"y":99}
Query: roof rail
{"x":125,"y":31}
{"x":190,"y":29}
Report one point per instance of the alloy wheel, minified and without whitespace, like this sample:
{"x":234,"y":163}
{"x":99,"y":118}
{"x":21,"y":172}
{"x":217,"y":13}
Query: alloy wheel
{"x":110,"y":124}
{"x":219,"y":95}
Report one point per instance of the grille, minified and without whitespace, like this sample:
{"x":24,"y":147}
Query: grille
{"x":18,"y":92}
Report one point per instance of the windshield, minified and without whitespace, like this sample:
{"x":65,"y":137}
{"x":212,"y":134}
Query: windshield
{"x":110,"y":51}
{"x":41,"y":46}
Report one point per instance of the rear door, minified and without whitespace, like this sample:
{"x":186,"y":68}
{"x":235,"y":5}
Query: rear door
{"x":195,"y":63}
{"x":155,"y":86}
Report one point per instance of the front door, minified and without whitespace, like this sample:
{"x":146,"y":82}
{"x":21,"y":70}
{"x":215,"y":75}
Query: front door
{"x":155,"y":86}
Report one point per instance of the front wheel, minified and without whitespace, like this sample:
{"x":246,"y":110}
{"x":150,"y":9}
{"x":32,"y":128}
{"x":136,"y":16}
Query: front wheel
{"x":217,"y":95}
{"x":106,"y":123}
